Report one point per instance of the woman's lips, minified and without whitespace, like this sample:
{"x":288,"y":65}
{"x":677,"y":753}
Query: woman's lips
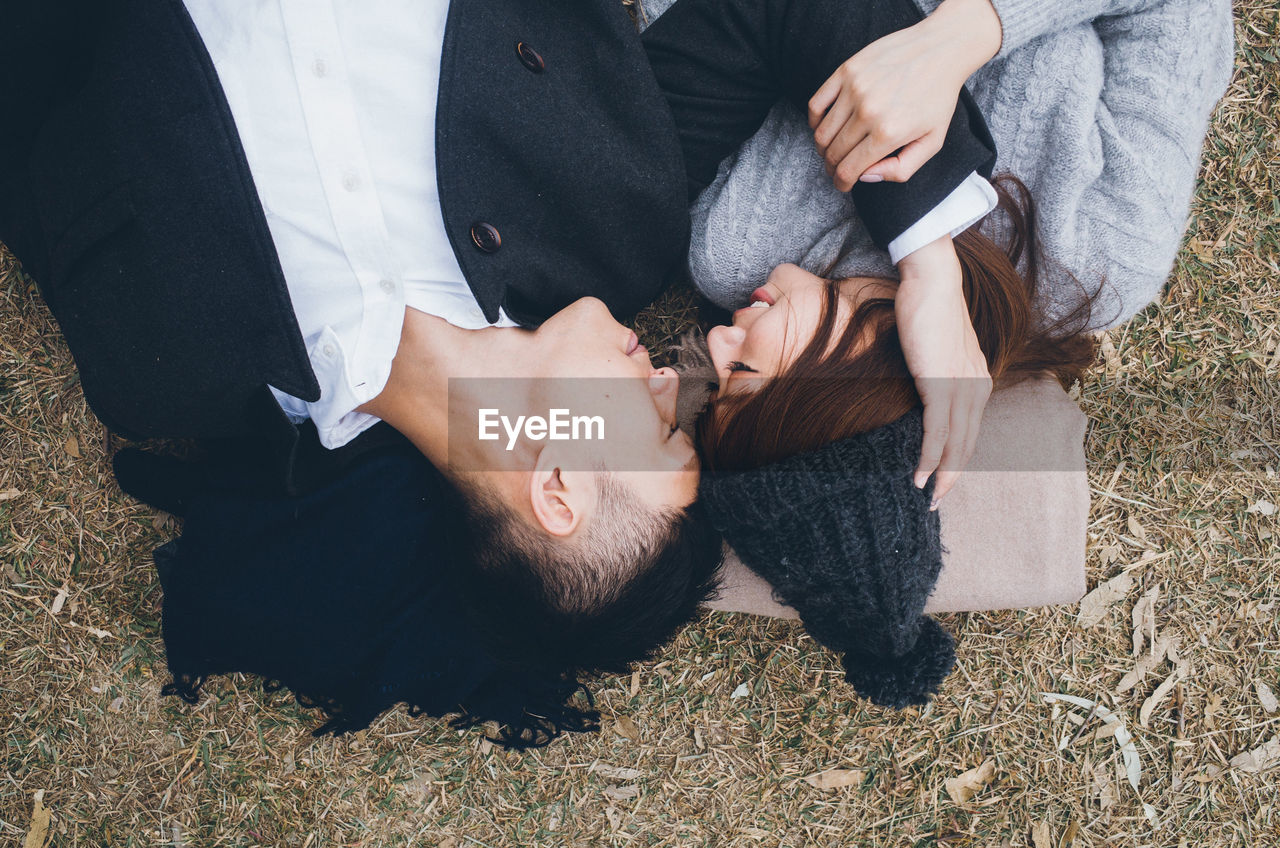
{"x":760,"y":295}
{"x":632,"y":343}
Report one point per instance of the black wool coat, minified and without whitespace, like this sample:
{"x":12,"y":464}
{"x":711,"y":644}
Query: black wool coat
{"x":567,"y":147}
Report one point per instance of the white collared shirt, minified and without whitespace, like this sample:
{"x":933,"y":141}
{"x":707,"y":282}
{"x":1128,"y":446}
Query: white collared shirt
{"x":334,"y":102}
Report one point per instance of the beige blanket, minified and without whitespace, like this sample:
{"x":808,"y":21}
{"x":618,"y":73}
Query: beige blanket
{"x":1013,"y":527}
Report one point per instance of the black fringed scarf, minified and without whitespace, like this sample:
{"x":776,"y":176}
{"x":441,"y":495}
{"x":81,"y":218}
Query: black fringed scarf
{"x":344,"y":595}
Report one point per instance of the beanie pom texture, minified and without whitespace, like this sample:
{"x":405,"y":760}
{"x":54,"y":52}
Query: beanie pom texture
{"x":900,"y":682}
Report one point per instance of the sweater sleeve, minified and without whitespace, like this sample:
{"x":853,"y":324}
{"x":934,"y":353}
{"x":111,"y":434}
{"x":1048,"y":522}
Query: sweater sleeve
{"x":1022,"y":21}
{"x":723,"y":64}
{"x":1118,"y":219}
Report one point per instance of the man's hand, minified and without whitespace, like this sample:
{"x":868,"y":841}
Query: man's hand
{"x":899,"y":93}
{"x":943,"y":356}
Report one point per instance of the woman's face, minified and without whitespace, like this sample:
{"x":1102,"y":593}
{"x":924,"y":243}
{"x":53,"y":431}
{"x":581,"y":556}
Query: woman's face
{"x":768,"y":335}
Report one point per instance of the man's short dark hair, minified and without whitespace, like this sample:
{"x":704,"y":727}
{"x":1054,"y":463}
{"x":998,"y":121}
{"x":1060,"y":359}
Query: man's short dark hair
{"x":611,"y":597}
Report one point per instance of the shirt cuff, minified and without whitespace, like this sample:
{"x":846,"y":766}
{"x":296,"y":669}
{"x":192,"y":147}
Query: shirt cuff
{"x":960,"y":210}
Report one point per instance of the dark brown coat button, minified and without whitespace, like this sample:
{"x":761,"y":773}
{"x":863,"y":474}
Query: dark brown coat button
{"x":530,"y":58}
{"x":486,"y":237}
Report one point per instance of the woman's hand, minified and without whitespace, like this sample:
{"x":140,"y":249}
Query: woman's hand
{"x":943,"y":356}
{"x":899,"y":93}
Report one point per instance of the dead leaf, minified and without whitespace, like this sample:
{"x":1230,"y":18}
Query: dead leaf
{"x":1266,"y":697}
{"x":1144,"y":620}
{"x":756,"y":833}
{"x":1166,"y":645}
{"x":1093,"y":606}
{"x":1262,"y":508}
{"x":616,"y":773}
{"x":1112,"y":358}
{"x":1143,"y":667}
{"x":9,"y":494}
{"x":38,"y":833}
{"x":1211,"y":710}
{"x":58,"y":601}
{"x":1208,"y":775}
{"x":635,"y":683}
{"x":72,"y":446}
{"x":1260,"y":758}
{"x":116,"y":705}
{"x":963,"y":787}
{"x":290,"y":763}
{"x":1124,"y":739}
{"x":625,"y":726}
{"x":1103,"y":787}
{"x":1136,"y":530}
{"x":1107,"y":731}
{"x":448,"y":842}
{"x":741,"y":692}
{"x":622,"y":793}
{"x":836,"y":778}
{"x":1162,"y":692}
{"x":1040,"y":835}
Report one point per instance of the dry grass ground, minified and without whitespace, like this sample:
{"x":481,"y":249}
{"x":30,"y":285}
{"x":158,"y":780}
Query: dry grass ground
{"x":1183,"y":458}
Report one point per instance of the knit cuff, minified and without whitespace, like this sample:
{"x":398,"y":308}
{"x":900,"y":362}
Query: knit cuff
{"x":1024,"y":20}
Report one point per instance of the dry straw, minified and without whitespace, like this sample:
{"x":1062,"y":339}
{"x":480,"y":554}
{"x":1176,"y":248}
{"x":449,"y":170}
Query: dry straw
{"x":1183,"y":456}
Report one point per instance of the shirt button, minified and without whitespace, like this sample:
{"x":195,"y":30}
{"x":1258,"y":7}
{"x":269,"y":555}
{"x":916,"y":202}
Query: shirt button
{"x":351,"y":181}
{"x":329,"y":351}
{"x":530,"y":58}
{"x":486,"y":237}
{"x":319,"y":68}
{"x":387,"y":286}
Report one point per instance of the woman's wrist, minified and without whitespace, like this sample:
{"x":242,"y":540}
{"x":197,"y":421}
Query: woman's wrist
{"x":933,"y":265}
{"x":970,"y":30}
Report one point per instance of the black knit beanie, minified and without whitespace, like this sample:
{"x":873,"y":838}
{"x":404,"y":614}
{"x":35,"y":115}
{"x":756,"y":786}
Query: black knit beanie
{"x":845,"y":538}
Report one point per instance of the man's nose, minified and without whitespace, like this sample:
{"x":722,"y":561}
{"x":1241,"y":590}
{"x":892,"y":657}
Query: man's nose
{"x":590,"y":312}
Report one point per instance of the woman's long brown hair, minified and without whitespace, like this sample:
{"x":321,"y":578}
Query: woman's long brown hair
{"x":830,"y":392}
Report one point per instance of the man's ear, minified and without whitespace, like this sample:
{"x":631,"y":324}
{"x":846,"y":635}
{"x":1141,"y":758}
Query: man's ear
{"x":559,"y":498}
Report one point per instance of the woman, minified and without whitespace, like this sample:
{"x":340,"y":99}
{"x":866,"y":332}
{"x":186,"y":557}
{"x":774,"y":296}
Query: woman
{"x":1110,"y":152}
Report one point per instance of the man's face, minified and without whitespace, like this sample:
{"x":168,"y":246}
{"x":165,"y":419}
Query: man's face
{"x":584,"y":362}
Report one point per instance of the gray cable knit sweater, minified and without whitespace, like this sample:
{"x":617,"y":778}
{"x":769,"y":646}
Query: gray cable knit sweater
{"x":1099,"y":106}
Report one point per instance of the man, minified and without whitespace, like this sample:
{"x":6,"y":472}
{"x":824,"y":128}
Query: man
{"x":207,"y":274}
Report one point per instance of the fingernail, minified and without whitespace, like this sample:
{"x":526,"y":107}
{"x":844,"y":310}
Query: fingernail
{"x":933,"y":505}
{"x":920,"y":481}
{"x":870,"y":178}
